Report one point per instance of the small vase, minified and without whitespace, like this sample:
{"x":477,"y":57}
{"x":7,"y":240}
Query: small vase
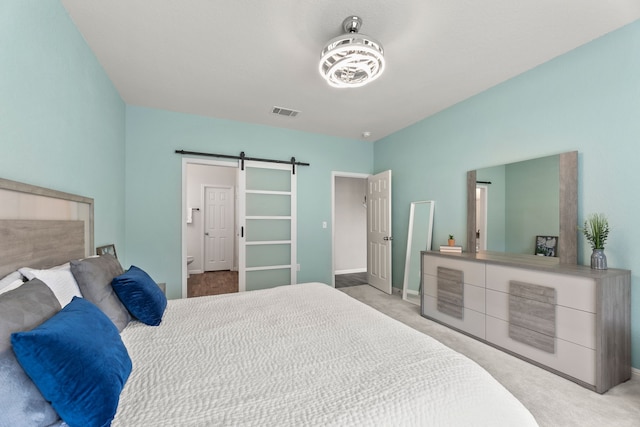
{"x":598,"y":260}
{"x":451,"y":242}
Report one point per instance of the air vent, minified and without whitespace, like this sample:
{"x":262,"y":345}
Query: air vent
{"x":284,"y":112}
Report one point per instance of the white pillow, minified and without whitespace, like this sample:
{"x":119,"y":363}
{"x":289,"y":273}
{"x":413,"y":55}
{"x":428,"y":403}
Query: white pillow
{"x":10,"y":282}
{"x":59,"y":279}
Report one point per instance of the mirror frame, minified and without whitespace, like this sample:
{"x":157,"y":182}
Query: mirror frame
{"x":568,"y":215}
{"x":407,"y":263}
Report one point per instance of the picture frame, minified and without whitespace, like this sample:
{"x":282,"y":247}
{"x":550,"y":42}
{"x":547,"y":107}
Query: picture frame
{"x":546,"y":246}
{"x":107,"y":249}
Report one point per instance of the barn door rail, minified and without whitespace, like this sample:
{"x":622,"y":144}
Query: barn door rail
{"x":242,"y":157}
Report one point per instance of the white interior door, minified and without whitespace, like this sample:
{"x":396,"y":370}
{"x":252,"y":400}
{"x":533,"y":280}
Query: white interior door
{"x":379,"y":231}
{"x":268,"y":226}
{"x":218,"y":228}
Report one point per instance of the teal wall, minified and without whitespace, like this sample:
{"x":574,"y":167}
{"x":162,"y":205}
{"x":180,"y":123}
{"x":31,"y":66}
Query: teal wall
{"x":154,"y":188}
{"x":586,"y":100}
{"x":61,"y":120}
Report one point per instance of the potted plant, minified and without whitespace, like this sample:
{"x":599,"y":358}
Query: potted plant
{"x":596,"y":231}
{"x":451,"y":240}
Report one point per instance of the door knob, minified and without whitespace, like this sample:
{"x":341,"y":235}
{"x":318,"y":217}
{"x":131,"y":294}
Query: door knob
{"x":206,"y":234}
{"x":387,"y":238}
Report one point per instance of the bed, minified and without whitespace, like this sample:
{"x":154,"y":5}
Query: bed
{"x":295,"y":355}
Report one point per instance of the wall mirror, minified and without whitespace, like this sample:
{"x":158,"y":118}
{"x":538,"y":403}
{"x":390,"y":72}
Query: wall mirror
{"x":418,"y":239}
{"x":509,"y":206}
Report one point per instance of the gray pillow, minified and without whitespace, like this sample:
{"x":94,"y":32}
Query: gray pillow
{"x":94,"y":276}
{"x":24,"y":308}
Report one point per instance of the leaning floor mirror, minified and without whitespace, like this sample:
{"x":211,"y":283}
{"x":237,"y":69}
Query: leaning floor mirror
{"x":418,"y":239}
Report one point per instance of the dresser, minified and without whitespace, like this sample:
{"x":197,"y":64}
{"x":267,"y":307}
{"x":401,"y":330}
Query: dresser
{"x":569,"y":319}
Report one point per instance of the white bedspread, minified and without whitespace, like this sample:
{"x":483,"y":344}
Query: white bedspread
{"x":301,"y":355}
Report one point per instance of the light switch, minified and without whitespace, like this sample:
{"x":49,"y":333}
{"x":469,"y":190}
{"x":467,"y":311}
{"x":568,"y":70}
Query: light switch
{"x":324,"y":224}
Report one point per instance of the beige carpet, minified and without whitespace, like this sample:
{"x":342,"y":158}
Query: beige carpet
{"x":553,"y":400}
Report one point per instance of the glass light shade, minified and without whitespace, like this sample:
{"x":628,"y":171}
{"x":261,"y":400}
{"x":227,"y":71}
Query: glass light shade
{"x":351,"y":60}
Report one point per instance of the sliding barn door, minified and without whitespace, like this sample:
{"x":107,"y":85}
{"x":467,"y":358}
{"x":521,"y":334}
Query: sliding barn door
{"x":267,"y":242}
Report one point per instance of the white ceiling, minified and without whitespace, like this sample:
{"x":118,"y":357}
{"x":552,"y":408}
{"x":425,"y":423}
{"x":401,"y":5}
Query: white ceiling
{"x":236,"y":59}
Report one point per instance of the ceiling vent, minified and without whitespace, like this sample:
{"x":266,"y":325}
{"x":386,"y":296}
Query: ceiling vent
{"x":284,"y":112}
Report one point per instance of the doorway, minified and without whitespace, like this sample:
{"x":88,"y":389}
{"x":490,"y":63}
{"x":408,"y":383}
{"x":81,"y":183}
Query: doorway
{"x":349,"y":230}
{"x":264,"y":224}
{"x":209,"y":232}
{"x":482,"y":202}
{"x":368,"y":198}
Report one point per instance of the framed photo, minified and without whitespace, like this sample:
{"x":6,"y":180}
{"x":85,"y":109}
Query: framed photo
{"x":546,"y":245}
{"x":106,"y":249}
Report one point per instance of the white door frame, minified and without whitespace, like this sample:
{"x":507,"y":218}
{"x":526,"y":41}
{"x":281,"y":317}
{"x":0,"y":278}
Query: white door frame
{"x":482,"y":206}
{"x":183,"y":216}
{"x":334,"y":175}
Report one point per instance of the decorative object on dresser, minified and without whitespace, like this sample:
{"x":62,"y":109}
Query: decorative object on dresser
{"x":546,"y":246}
{"x":596,"y":230}
{"x":455,"y":249}
{"x":451,"y":241}
{"x":569,"y":319}
{"x":107,"y":249}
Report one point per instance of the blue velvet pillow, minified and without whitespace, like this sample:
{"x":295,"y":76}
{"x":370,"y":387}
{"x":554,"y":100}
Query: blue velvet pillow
{"x":141,"y":295}
{"x":78,"y":362}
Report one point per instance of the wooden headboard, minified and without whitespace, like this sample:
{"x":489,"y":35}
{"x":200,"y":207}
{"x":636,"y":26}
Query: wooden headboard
{"x":42,"y":228}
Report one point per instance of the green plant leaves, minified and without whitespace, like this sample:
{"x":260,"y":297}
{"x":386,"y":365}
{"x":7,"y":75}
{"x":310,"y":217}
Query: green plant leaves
{"x":596,"y":230}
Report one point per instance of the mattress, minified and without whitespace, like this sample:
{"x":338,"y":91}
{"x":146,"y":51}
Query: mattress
{"x":301,"y":355}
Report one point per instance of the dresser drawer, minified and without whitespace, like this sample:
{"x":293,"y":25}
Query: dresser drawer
{"x":571,"y":291}
{"x":576,"y":326}
{"x":572,"y":359}
{"x":474,"y":296}
{"x":474,"y":272}
{"x":472,"y":321}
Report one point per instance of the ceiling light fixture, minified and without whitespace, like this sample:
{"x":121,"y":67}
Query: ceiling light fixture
{"x":352,"y":59}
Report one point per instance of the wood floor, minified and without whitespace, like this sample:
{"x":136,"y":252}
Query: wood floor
{"x":225,"y":282}
{"x":352,"y":279}
{"x":212,"y":283}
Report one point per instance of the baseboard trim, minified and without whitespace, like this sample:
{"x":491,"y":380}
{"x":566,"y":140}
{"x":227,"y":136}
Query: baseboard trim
{"x":635,"y":374}
{"x":351,"y":271}
{"x":196,"y":271}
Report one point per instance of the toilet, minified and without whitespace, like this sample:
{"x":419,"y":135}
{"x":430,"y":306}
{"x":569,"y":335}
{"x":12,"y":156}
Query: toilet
{"x":189,"y":261}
